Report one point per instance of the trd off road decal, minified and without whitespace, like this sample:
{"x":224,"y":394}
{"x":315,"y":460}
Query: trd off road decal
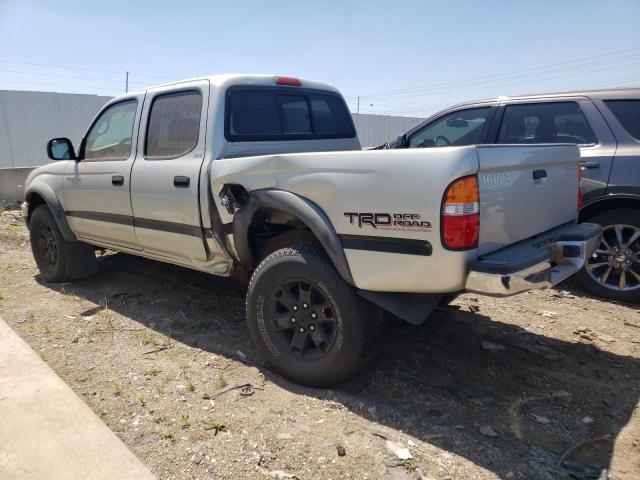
{"x":402,"y":222}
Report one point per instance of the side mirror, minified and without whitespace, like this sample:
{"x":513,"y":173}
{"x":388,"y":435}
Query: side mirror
{"x":399,"y":142}
{"x":60,"y":149}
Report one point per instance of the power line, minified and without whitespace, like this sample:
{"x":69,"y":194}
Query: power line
{"x":495,"y":76}
{"x":68,"y":67}
{"x":58,"y":85}
{"x":63,"y":76}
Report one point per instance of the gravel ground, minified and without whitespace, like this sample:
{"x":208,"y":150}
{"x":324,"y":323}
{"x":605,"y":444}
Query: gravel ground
{"x":537,"y":386}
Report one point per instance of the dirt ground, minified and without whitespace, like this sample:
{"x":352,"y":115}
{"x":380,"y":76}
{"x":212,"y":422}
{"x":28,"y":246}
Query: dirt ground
{"x":543,"y":385}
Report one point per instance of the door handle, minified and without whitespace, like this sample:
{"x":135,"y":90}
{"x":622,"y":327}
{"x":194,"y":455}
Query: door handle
{"x":585,"y":164}
{"x":181,"y":181}
{"x":538,"y":174}
{"x":117,"y":180}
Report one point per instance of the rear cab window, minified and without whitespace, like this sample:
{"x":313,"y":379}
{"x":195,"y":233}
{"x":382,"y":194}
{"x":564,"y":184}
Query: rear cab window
{"x":627,"y":112}
{"x":549,"y":122}
{"x":276,"y":114}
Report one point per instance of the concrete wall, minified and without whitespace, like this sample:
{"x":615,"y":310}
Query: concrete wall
{"x":29,"y":119}
{"x":375,"y":130}
{"x":12,"y":184}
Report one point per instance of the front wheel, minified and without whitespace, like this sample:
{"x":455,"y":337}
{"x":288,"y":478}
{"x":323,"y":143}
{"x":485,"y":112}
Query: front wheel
{"x":306,"y":322}
{"x":58,"y":259}
{"x":613,"y":271}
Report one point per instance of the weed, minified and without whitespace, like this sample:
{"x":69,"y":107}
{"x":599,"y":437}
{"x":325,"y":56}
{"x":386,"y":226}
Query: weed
{"x":215,"y":426}
{"x":102,"y":411}
{"x":222,"y":382}
{"x":184,"y":421}
{"x":1,"y":296}
{"x":190,"y":386}
{"x":153,"y":371}
{"x":117,"y":389}
{"x":166,"y":434}
{"x":174,"y":352}
{"x":141,"y":401}
{"x":30,"y":315}
{"x":45,"y":328}
{"x":12,"y":228}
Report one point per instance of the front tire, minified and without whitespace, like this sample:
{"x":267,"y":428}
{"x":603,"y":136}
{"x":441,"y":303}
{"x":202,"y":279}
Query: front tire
{"x":613,"y":271}
{"x":307,"y":323}
{"x":58,"y":259}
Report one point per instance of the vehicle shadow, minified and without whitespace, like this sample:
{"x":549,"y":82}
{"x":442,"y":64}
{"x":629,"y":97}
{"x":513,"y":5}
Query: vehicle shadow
{"x":517,"y":403}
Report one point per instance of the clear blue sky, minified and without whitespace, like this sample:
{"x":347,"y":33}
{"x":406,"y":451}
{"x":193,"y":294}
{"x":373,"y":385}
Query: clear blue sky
{"x":415,"y":55}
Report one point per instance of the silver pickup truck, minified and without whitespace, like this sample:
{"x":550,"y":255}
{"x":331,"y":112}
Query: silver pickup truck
{"x":265,"y":175}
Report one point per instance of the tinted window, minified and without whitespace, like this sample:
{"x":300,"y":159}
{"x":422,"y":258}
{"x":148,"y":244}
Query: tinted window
{"x":271,"y":114}
{"x":628,"y":114}
{"x":253,"y":113}
{"x":462,"y":127}
{"x":295,"y":114}
{"x":110,"y":136}
{"x":174,"y":124}
{"x":330,"y":115}
{"x":558,"y":122}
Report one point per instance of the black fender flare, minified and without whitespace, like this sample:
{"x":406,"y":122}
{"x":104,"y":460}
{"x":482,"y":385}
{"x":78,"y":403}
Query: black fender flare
{"x":52,"y":201}
{"x":304,"y":210}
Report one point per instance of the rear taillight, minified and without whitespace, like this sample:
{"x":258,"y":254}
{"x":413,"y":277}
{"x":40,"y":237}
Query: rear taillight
{"x":290,"y":81}
{"x":580,"y":192}
{"x":460,"y":224}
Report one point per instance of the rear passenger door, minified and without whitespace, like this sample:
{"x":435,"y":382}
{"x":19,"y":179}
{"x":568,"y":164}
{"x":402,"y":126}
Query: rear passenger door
{"x":572,"y":120}
{"x":166,"y":173}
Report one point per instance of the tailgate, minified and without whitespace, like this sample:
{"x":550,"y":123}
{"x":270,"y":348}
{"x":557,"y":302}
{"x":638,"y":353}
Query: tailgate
{"x":525,"y":190}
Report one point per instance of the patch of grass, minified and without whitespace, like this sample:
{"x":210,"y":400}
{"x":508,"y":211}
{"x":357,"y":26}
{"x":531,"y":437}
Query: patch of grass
{"x":174,"y":352}
{"x":166,"y":434}
{"x":45,"y":328}
{"x":153,"y":371}
{"x":12,"y":228}
{"x":190,"y":386}
{"x":217,"y":427}
{"x":222,"y":382}
{"x":141,"y":401}
{"x":147,"y":338}
{"x":117,"y":389}
{"x":200,"y":324}
{"x":1,"y":295}
{"x":30,"y":314}
{"x":102,"y":411}
{"x":184,"y":421}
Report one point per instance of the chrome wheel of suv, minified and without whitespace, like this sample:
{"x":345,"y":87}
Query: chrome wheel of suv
{"x":616,"y":262}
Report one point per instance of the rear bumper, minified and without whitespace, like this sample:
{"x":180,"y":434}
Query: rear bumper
{"x":538,"y":262}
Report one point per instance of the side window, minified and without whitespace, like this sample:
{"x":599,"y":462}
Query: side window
{"x":110,"y":136}
{"x":628,"y":114}
{"x":459,"y":128}
{"x":174,"y":125}
{"x":552,"y":122}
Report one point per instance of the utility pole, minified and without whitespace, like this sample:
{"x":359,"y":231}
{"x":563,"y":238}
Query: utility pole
{"x":126,"y":83}
{"x":358,"y":104}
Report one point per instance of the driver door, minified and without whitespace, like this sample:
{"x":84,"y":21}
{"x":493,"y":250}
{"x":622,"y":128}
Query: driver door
{"x":96,"y":193}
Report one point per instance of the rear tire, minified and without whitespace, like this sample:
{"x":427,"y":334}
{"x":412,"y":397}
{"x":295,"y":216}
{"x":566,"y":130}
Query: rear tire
{"x":307,"y":323}
{"x":614,"y":270}
{"x":58,"y":259}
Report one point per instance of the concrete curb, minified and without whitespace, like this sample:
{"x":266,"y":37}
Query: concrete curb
{"x":46,"y":431}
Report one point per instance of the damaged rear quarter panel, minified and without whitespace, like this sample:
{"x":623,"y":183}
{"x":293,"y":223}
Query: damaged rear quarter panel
{"x":410,"y":182}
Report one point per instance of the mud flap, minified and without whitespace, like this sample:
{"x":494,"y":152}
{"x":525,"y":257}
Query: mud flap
{"x":414,"y":308}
